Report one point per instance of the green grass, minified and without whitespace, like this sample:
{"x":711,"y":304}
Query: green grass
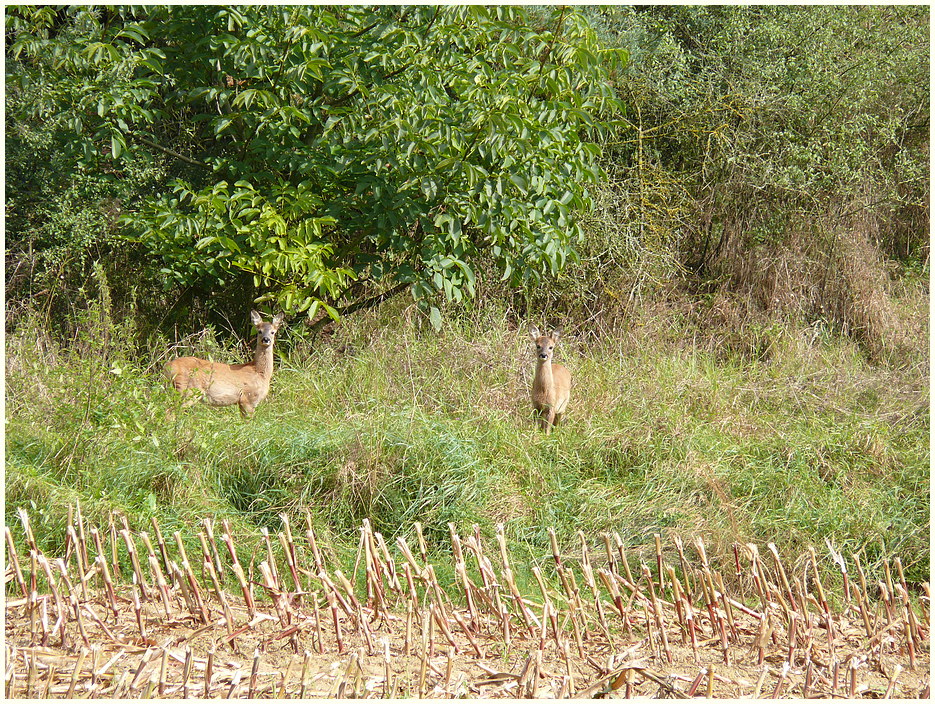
{"x":396,"y":425}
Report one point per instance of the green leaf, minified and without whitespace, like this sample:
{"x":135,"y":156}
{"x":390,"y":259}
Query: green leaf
{"x":435,"y":318}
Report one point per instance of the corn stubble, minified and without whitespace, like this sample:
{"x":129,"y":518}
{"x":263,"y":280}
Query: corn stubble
{"x":293,"y":626}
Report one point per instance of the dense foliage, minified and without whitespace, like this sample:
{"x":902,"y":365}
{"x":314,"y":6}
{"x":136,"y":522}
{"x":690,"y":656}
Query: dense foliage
{"x":329,"y":153}
{"x":334,"y":156}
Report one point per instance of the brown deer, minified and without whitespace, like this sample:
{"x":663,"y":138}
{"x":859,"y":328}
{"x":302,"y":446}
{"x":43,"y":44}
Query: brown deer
{"x":220,"y":384}
{"x":551,"y":386}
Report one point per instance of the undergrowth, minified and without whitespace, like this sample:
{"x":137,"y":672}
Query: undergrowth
{"x":812,"y":447}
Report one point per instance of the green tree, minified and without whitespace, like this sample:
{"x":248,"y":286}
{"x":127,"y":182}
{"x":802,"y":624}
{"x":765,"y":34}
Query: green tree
{"x":324,"y":158}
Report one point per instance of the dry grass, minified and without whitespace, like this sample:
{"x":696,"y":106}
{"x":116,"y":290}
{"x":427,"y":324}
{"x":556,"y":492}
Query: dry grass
{"x":833,"y":275}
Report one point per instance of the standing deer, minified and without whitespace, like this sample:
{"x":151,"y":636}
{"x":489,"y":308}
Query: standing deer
{"x":552,"y":384}
{"x":222,"y":384}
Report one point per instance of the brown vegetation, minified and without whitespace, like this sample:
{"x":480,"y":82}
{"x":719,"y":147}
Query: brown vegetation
{"x":300,"y":627}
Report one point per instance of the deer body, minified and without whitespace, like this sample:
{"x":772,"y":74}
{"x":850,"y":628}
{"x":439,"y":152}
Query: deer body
{"x":551,"y":387}
{"x":219,"y":384}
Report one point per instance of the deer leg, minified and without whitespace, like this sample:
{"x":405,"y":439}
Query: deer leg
{"x":548,"y":419}
{"x":247,"y":405}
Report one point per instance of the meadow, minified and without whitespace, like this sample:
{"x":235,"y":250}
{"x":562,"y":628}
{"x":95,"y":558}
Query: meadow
{"x":804,"y":445}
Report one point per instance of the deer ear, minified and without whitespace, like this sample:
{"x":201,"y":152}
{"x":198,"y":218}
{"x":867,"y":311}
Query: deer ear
{"x":534,"y":332}
{"x":255,"y":318}
{"x":555,"y":334}
{"x":277,"y":320}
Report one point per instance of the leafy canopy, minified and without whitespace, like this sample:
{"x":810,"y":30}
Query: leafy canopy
{"x":331,"y":153}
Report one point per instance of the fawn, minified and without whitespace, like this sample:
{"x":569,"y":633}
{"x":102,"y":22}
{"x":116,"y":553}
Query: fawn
{"x":552,"y":384}
{"x":222,"y":384}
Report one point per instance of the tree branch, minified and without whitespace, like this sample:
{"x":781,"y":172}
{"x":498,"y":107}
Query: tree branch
{"x":166,"y":150}
{"x":371,"y":302}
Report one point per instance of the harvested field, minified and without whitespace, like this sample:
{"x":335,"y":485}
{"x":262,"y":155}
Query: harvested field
{"x":286,"y":622}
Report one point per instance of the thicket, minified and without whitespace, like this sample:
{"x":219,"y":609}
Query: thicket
{"x":726,"y":207}
{"x":772,"y":166}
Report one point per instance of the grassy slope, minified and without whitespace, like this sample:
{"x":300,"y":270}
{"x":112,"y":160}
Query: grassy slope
{"x":385,"y":423}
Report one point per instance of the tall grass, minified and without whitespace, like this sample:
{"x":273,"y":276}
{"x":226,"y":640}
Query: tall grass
{"x":391,"y":423}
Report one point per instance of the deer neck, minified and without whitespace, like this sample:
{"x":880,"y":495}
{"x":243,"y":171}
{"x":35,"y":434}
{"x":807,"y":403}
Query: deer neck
{"x":544,"y":375}
{"x":263,"y":361}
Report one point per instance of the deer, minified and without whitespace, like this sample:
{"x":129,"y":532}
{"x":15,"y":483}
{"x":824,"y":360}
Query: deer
{"x":551,"y":387}
{"x":220,"y":384}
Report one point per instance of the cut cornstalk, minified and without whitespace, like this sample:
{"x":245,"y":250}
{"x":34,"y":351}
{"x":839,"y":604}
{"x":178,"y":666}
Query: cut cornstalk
{"x":759,"y":682}
{"x":852,"y":678}
{"x":254,"y":672}
{"x":238,"y":572}
{"x":726,"y":602}
{"x":436,"y":613}
{"x":59,"y":607}
{"x":782,"y":574}
{"x":891,"y":685}
{"x":467,"y":632}
{"x":321,"y":644}
{"x":82,"y":565}
{"x":163,"y":551}
{"x":660,"y":571}
{"x":14,"y":559}
{"x":571,"y":587}
{"x":908,"y":613}
{"x":392,"y":576}
{"x":208,"y":566}
{"x":702,"y":553}
{"x":423,"y":548}
{"x":608,"y":550}
{"x":275,"y":593}
{"x":623,"y":558}
{"x":285,"y":679}
{"x":313,"y":543}
{"x":783,"y":673}
{"x":686,"y":570}
{"x":908,"y":619}
{"x":161,"y":586}
{"x":677,"y":602}
{"x":186,"y":671}
{"x":553,"y":543}
{"x":138,"y":611}
{"x":611,"y":584}
{"x":756,"y":574}
{"x":332,"y":603}
{"x":461,"y":570}
{"x":188,"y":576}
{"x":302,"y":678}
{"x":690,"y":621}
{"x":112,"y":534}
{"x":887,"y":601}
{"x":209,"y":530}
{"x":292,"y":558}
{"x":410,"y":559}
{"x":209,"y":672}
{"x":657,"y":613}
{"x":135,"y":561}
{"x":179,"y":578}
{"x":108,"y":583}
{"x":76,"y":673}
